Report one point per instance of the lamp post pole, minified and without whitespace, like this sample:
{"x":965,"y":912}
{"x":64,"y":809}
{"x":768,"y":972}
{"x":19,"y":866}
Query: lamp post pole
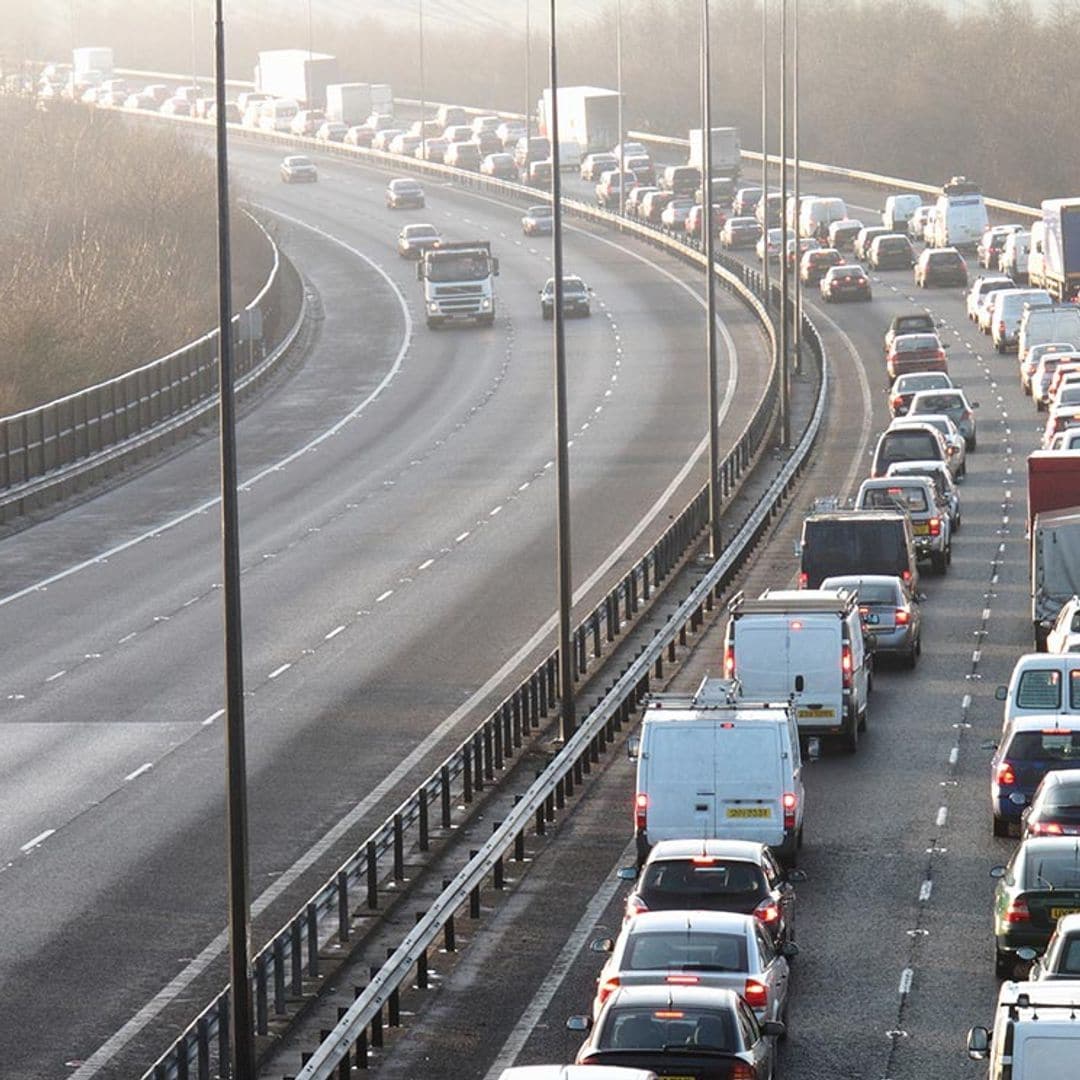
{"x":618,"y":79}
{"x":797,"y":328}
{"x":710,"y":283}
{"x":765,"y":147}
{"x":423,"y":130}
{"x":785,"y":313}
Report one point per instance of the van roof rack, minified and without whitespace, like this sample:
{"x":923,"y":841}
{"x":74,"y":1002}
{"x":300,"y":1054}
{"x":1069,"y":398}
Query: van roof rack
{"x":808,"y":600}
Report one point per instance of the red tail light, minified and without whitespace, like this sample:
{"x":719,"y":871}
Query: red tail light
{"x":906,"y":575}
{"x":804,"y":579}
{"x":790,"y":802}
{"x":605,"y":989}
{"x":897,"y":401}
{"x":1046,"y":828}
{"x":641,"y":811}
{"x":940,"y":355}
{"x":635,"y":905}
{"x":756,"y":994}
{"x":935,"y":526}
{"x":845,"y":666}
{"x":729,"y":662}
{"x":767,"y":911}
{"x":742,"y":1071}
{"x":1001,"y":328}
{"x":902,"y":617}
{"x":1017,"y":911}
{"x":682,"y":980}
{"x":1006,"y":777}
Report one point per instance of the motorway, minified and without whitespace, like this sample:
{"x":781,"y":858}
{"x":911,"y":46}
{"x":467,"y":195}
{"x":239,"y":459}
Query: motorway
{"x":894,"y":922}
{"x":397,"y":522}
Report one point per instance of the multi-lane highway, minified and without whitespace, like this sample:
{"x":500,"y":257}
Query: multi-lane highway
{"x":894,"y":922}
{"x":398,"y":553}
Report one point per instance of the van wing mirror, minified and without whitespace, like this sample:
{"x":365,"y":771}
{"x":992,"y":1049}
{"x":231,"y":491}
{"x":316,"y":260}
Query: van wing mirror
{"x":978,"y":1043}
{"x":627,"y":873}
{"x":633,"y":747}
{"x":1001,"y":693}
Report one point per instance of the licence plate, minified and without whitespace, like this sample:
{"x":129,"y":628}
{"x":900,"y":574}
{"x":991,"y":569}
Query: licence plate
{"x":922,"y":528}
{"x":749,"y":812}
{"x":817,"y":714}
{"x":670,"y":1076}
{"x":1061,"y":912}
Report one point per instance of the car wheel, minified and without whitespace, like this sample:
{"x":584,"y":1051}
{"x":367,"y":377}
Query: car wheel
{"x":957,"y":523}
{"x":963,"y":470}
{"x":1001,"y":827}
{"x":912,"y":657}
{"x":862,"y":719}
{"x":972,"y":444}
{"x":546,"y":313}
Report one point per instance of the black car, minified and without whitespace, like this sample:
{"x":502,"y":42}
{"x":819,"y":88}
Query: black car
{"x":575,"y":297}
{"x":856,"y":542}
{"x":1040,"y":885}
{"x":845,"y":280}
{"x":892,"y":252}
{"x":941,"y":266}
{"x":716,"y":875}
{"x":691,"y":1032}
{"x":1055,"y":806}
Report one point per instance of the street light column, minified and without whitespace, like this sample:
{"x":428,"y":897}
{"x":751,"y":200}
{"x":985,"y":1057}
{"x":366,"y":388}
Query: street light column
{"x":710,"y":280}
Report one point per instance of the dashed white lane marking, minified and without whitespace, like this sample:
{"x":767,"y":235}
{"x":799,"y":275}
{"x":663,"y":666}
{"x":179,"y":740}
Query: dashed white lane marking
{"x":425,"y":564}
{"x":906,"y":977}
{"x":212,"y":717}
{"x":139,"y":771}
{"x":279,"y":670}
{"x":954,"y":756}
{"x":37,"y":841}
{"x":492,"y":513}
{"x":458,"y":539}
{"x":522,"y":487}
{"x":334,"y":633}
{"x":384,"y":596}
{"x":925,"y":889}
{"x":942,"y":816}
{"x":127,"y":637}
{"x":965,"y":702}
{"x":57,"y":675}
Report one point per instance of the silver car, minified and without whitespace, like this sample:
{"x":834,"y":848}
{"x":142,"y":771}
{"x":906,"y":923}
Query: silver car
{"x":944,"y":484}
{"x":955,"y":446}
{"x":890,"y":614}
{"x":714,"y":949}
{"x":954,"y":404}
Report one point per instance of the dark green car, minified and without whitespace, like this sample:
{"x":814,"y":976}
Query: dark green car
{"x":1040,"y":885}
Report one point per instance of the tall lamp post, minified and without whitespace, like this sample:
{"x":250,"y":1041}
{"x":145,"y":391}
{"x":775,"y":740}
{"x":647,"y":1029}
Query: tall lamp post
{"x":797,"y":328}
{"x":710,"y":279}
{"x":765,"y":147}
{"x":785,"y":315}
{"x":618,"y":80}
{"x":423,"y":129}
{"x":567,"y":721}
{"x":528,"y":81}
{"x":241,"y":1013}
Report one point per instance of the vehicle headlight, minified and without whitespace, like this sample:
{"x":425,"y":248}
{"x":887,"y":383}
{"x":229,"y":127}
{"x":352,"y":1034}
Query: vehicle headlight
{"x":485,"y":303}
{"x":433,"y":307}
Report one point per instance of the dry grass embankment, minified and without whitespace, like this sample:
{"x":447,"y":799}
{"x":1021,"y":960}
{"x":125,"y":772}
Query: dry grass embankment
{"x":109,"y":251}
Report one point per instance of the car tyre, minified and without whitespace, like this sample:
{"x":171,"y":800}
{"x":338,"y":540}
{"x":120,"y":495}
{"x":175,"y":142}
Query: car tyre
{"x":546,"y":313}
{"x":1001,"y":827}
{"x":912,"y":657}
{"x":849,"y":741}
{"x":972,"y":444}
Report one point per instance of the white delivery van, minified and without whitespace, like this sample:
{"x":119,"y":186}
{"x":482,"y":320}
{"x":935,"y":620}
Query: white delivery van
{"x":806,"y":645}
{"x":1042,"y":684}
{"x":960,"y":216}
{"x":1007,"y":311}
{"x":898,"y":211}
{"x":1042,"y":324}
{"x":715,"y":764}
{"x":816,"y":214}
{"x":277,"y":114}
{"x":1036,"y":1033}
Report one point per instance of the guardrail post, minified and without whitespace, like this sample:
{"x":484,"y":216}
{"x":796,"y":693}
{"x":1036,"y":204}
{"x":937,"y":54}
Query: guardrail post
{"x":224,"y":1045}
{"x":262,"y":1019}
{"x":296,"y":958}
{"x":596,"y":647}
{"x":508,"y":729}
{"x":553,"y":678}
{"x":645,"y":577}
{"x":534,"y":701}
{"x":313,"y":940}
{"x":399,"y":848}
{"x":480,"y":770}
{"x":279,"y":975}
{"x":444,"y":795}
{"x":515,"y":712}
{"x":466,"y":772}
{"x":495,"y":724}
{"x":612,"y":620}
{"x":343,"y":905}
{"x":629,"y":605}
{"x":421,"y":963}
{"x":393,"y":1008}
{"x":560,"y":792}
{"x":202,"y":1049}
{"x":182,"y":1057}
{"x":361,"y":1056}
{"x":371,"y":858}
{"x":423,"y":841}
{"x":543,"y":693}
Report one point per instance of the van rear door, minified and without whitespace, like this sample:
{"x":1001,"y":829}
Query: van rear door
{"x":679,"y":781}
{"x":1045,"y":1051}
{"x":815,"y":651}
{"x":749,"y":781}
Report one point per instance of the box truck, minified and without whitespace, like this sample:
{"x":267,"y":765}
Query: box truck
{"x":1055,"y":247}
{"x":349,"y":103}
{"x":588,"y":116}
{"x":726,"y":155}
{"x":296,"y":74}
{"x":92,"y":59}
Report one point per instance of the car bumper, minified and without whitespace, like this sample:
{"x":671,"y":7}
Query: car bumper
{"x":1003,"y":807}
{"x":896,"y":640}
{"x":848,"y":294}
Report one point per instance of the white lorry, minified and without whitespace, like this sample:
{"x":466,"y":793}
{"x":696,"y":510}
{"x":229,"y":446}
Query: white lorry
{"x":588,"y":116}
{"x":726,"y":152}
{"x":297,"y":75}
{"x":1054,"y":261}
{"x":348,"y":103}
{"x":459,"y":282}
{"x":96,"y":61}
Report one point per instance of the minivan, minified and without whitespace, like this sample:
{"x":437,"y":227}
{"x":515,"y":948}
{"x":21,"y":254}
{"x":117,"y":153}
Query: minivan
{"x":680,"y":179}
{"x":1042,"y":684}
{"x":843,"y":542}
{"x":717,"y":765}
{"x":805,"y":646}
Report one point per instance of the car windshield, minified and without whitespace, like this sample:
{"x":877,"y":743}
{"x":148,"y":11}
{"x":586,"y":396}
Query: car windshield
{"x":636,"y":1028}
{"x":457,"y":266}
{"x":703,"y":951}
{"x":700,"y":879}
{"x":1052,"y":870}
{"x":910,"y":498}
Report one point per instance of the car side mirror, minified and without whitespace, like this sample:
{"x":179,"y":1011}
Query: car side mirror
{"x":633,"y":747}
{"x":946,"y":345}
{"x":795,"y":876}
{"x":978,"y":1043}
{"x":604,"y":944}
{"x":1026,"y":953}
{"x":773,"y":1029}
{"x":627,"y":873}
{"x":974,"y":404}
{"x":1001,"y":693}
{"x":997,"y":872}
{"x":579,"y":1023}
{"x":789,"y":950}
{"x":1018,"y":798}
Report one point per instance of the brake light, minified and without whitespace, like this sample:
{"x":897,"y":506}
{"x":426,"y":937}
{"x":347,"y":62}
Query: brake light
{"x":906,"y":575}
{"x":641,"y":811}
{"x":804,"y":579}
{"x":902,"y":617}
{"x":1006,"y":777}
{"x":1046,"y":828}
{"x":756,"y":994}
{"x":742,"y":1071}
{"x":669,"y":1014}
{"x":940,"y":355}
{"x":703,"y":860}
{"x":605,"y":989}
{"x":682,"y":980}
{"x":767,"y":911}
{"x":635,"y":905}
{"x":729,"y":662}
{"x":897,"y":401}
{"x":790,"y":802}
{"x":845,"y":666}
{"x":1001,"y":328}
{"x":1017,"y":911}
{"x":935,"y":526}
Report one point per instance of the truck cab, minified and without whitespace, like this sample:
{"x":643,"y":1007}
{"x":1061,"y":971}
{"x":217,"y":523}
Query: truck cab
{"x":459,"y":282}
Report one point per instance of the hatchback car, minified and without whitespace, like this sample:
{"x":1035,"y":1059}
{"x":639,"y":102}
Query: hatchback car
{"x":740,"y":232}
{"x":865,"y":237}
{"x":815,"y":264}
{"x":501,"y":166}
{"x":916,"y":496}
{"x":538,"y":220}
{"x":890,"y":613}
{"x":1064,"y":635}
{"x":842,"y":233}
{"x":680,"y":1031}
{"x":593,"y":166}
{"x":941,"y":266}
{"x":905,"y":387}
{"x":954,"y":404}
{"x":713,"y":949}
{"x":915,"y":352}
{"x":1055,"y":807}
{"x":916,"y":442}
{"x":949,"y":432}
{"x":891,"y":251}
{"x":414,"y":240}
{"x":359,"y":135}
{"x":716,"y":875}
{"x":1040,"y":885}
{"x":772,"y":243}
{"x":1030,"y":748}
{"x":845,"y":281}
{"x":575,"y":297}
{"x":404,"y":194}
{"x":634,"y":199}
{"x":384,"y":137}
{"x":1034,"y":355}
{"x":298,"y":169}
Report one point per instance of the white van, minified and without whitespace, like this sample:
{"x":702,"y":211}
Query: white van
{"x":1036,"y":1033}
{"x":817,"y":214}
{"x":898,"y":211}
{"x":1042,"y":684}
{"x":277,"y":114}
{"x":960,"y":216}
{"x":1042,"y":324}
{"x":1006,"y":311}
{"x":1014,"y":256}
{"x":716,"y":765}
{"x":806,"y":645}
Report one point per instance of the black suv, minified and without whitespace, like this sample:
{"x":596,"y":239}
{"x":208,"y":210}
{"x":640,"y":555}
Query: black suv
{"x":847,"y":542}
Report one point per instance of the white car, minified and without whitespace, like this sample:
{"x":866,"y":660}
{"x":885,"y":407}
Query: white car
{"x":774,"y":238}
{"x":982,"y":285}
{"x":332,"y":131}
{"x":1064,"y":637}
{"x":298,"y":168}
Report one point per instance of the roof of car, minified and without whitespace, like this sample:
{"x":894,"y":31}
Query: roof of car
{"x":838,"y":581}
{"x":664,"y":996}
{"x":655,"y":922}
{"x":930,"y":463}
{"x":730,"y":849}
{"x":575,"y":1072}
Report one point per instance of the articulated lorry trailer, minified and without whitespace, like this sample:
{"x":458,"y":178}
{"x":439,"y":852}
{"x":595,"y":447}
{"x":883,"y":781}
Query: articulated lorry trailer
{"x":297,"y":75}
{"x":1054,"y":259}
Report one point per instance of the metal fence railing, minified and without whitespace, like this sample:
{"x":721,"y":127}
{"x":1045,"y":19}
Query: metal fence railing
{"x":53,"y":449}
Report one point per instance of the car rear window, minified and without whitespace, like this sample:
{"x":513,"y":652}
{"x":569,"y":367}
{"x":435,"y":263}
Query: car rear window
{"x":701,"y":879}
{"x":1049,"y":744}
{"x":833,"y":547}
{"x":1064,"y":796}
{"x":878,"y":593}
{"x":914,"y":342}
{"x":908,"y":446}
{"x":939,"y":403}
{"x":1039,"y":688}
{"x":702,"y":951}
{"x":646,"y":1028}
{"x":1053,"y":870}
{"x":911,"y":498}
